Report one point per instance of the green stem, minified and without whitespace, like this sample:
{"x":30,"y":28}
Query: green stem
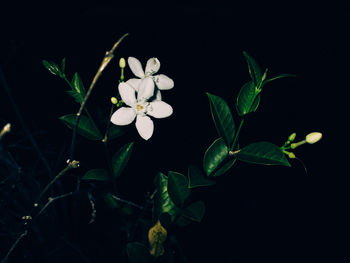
{"x":237,"y":134}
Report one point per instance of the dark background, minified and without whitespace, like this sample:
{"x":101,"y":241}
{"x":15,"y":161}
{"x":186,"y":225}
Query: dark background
{"x":254,"y":213}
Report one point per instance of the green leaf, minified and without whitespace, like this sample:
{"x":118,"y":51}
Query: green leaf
{"x":254,"y":69}
{"x":214,"y":156}
{"x":263,"y":153}
{"x":162,"y":200}
{"x":183,"y":221}
{"x":277,"y":77}
{"x":63,"y":65}
{"x":224,"y":168}
{"x":86,"y":127}
{"x":52,"y":67}
{"x":110,"y":201}
{"x":178,"y":188}
{"x":121,"y":158}
{"x":115,"y":131}
{"x":96,"y":174}
{"x":196,"y":178}
{"x":194,"y":211}
{"x":248,"y":99}
{"x":78,"y":90}
{"x":138,"y":253}
{"x":222,"y":117}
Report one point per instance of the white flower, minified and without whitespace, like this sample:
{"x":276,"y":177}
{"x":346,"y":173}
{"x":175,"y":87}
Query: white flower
{"x":139,"y":107}
{"x":162,"y":81}
{"x":313,"y":137}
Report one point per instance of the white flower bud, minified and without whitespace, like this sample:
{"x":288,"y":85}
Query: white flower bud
{"x":313,"y":137}
{"x":122,"y":63}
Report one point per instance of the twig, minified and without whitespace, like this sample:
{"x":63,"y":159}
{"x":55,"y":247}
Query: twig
{"x":127,"y":202}
{"x":107,"y":58}
{"x":14,"y":245}
{"x":50,"y":200}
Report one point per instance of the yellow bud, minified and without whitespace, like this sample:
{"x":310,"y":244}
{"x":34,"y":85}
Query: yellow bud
{"x":291,"y":155}
{"x":156,"y":237}
{"x":114,"y":100}
{"x":292,"y":137}
{"x":313,"y":137}
{"x":122,"y":63}
{"x":5,"y":129}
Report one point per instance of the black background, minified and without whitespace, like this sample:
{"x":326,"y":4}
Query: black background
{"x":254,"y":213}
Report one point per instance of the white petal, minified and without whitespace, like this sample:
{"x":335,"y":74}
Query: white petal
{"x":159,"y":109}
{"x":127,"y":93}
{"x":158,"y":95}
{"x":123,"y":116}
{"x":136,"y":67}
{"x":134,"y":83}
{"x":152,"y":66}
{"x":163,"y":82}
{"x":144,"y":126}
{"x":146,"y":89}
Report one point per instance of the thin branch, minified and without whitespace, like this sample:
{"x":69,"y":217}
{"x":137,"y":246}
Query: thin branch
{"x":51,"y":200}
{"x":107,"y":58}
{"x":14,"y":245}
{"x":127,"y":202}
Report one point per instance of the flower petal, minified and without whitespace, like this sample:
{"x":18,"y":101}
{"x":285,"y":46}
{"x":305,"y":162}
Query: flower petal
{"x":163,"y":82}
{"x":158,"y":95}
{"x":136,"y":67}
{"x":127,"y":93}
{"x":123,"y":116}
{"x":144,"y":126}
{"x":146,"y":89}
{"x":159,"y":109}
{"x":134,"y":83}
{"x":152,"y":66}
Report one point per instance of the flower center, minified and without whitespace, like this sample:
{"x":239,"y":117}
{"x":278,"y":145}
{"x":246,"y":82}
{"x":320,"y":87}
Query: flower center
{"x":139,"y":107}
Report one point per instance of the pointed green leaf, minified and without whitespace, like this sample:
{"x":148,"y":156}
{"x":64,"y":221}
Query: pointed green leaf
{"x":277,"y":77}
{"x":52,"y":67}
{"x":254,"y":69}
{"x":263,"y":153}
{"x":138,"y":253}
{"x":86,"y":127}
{"x":194,"y":211}
{"x":96,"y":174}
{"x":214,"y":156}
{"x":63,"y":65}
{"x":196,"y":178}
{"x":121,"y":158}
{"x":78,"y":90}
{"x":182,"y":221}
{"x":115,"y":131}
{"x":162,"y":201}
{"x":178,"y":188}
{"x":224,"y":168}
{"x":222,"y":117}
{"x":248,"y":99}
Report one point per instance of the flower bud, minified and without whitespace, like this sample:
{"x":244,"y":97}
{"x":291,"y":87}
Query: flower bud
{"x":292,"y":137}
{"x":291,"y":155}
{"x":122,"y":63}
{"x":114,"y":100}
{"x":5,"y":129}
{"x":313,"y":137}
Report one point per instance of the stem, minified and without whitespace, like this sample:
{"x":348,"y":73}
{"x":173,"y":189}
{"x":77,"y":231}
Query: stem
{"x":237,"y":135}
{"x":14,"y":245}
{"x":50,"y":200}
{"x":127,"y":202}
{"x":107,"y":58}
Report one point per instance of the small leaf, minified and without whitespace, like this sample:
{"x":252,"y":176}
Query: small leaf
{"x":214,"y":156}
{"x":194,"y":211}
{"x":196,"y":178}
{"x":277,"y":77}
{"x":138,"y":253}
{"x":183,"y":221}
{"x":52,"y":67}
{"x":78,"y":90}
{"x":222,"y":117}
{"x":121,"y":158}
{"x":86,"y":127}
{"x":162,"y":201}
{"x":224,"y":168}
{"x":63,"y":65}
{"x":97,"y":174}
{"x":263,"y":153}
{"x":248,"y":99}
{"x":115,"y":131}
{"x":254,"y":69}
{"x":178,"y":188}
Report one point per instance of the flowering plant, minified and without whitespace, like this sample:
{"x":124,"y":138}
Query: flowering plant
{"x":140,"y":100}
